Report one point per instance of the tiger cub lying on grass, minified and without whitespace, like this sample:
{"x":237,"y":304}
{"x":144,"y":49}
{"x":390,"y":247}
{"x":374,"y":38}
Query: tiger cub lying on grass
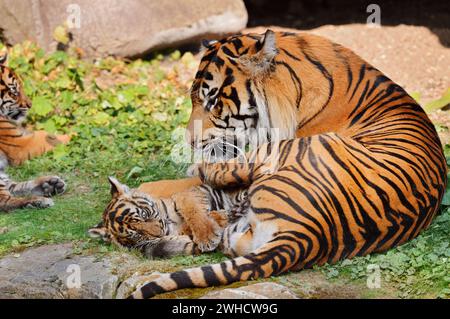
{"x":18,"y":145}
{"x":162,"y":222}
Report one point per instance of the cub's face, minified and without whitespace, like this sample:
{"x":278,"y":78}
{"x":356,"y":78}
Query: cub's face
{"x":131,"y":219}
{"x":14,"y":104}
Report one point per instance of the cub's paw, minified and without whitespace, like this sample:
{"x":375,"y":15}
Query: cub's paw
{"x":40,"y":202}
{"x":209,"y":238}
{"x":49,"y":186}
{"x":220,"y":216}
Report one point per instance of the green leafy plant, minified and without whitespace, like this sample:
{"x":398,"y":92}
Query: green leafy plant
{"x":439,"y":103}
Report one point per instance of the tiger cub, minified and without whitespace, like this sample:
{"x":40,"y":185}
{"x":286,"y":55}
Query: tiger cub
{"x":184,"y":223}
{"x":18,"y":145}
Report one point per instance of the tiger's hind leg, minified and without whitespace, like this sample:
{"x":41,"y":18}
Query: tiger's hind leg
{"x":8,"y":201}
{"x":46,"y":186}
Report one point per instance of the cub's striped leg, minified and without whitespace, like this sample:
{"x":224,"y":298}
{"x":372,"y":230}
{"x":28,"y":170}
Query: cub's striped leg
{"x":273,"y":258}
{"x":42,"y":186}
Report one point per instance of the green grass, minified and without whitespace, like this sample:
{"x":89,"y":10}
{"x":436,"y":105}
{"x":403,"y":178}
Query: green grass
{"x":419,"y":268}
{"x":68,"y":220}
{"x":124,"y":115}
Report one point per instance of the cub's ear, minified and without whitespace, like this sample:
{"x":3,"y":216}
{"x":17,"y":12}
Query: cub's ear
{"x":117,"y":189}
{"x":100,"y":232}
{"x":266,"y":51}
{"x":3,"y":58}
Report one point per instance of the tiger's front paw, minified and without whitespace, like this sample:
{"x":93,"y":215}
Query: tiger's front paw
{"x":49,"y":186}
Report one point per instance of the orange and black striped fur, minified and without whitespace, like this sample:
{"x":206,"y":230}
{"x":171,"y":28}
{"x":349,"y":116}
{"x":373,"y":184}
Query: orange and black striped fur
{"x":184,"y":223}
{"x":18,"y":145}
{"x":359,"y":168}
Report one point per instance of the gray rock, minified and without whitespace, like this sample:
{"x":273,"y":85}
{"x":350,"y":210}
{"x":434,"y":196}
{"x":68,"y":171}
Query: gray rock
{"x":122,"y":28}
{"x":265,"y":290}
{"x":54,"y":272}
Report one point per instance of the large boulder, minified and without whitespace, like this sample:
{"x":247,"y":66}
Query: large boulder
{"x":121,"y":28}
{"x":56,"y":271}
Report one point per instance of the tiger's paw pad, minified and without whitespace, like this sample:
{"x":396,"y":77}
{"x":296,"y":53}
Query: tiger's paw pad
{"x":41,"y":202}
{"x":50,"y":186}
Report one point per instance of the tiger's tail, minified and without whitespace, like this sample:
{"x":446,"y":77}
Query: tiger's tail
{"x":275,"y":257}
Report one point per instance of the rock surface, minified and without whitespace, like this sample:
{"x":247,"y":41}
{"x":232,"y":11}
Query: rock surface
{"x":53,"y":271}
{"x":122,"y":28}
{"x":265,"y":290}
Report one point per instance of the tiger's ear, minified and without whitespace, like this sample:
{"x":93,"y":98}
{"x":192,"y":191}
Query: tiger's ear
{"x":99,"y":231}
{"x":117,"y":189}
{"x":262,"y":59}
{"x":268,"y":46}
{"x":3,"y":58}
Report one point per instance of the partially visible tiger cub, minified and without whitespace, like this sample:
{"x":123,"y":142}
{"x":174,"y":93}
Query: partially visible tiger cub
{"x":184,"y":223}
{"x":18,"y":145}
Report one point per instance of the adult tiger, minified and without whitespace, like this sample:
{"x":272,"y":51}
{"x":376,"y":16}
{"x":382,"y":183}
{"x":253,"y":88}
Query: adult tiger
{"x":366,"y":172}
{"x":18,"y":145}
